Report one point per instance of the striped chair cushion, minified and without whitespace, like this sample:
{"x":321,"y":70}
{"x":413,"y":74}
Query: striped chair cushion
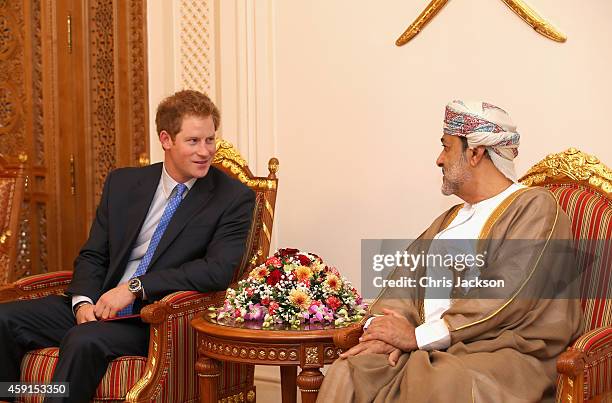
{"x":591,"y":217}
{"x":122,"y":374}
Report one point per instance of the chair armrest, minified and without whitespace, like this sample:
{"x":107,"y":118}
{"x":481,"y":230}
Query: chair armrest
{"x":348,"y":337}
{"x":172,"y":312}
{"x":37,"y":286}
{"x":590,"y":354}
{"x":589,"y":347}
{"x":178,"y":303}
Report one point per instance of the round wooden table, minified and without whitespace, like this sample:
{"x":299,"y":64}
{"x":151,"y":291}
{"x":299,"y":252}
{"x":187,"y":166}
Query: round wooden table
{"x":310,"y":347}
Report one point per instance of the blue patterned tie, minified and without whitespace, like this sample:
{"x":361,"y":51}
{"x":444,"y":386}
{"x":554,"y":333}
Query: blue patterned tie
{"x":157,"y":235}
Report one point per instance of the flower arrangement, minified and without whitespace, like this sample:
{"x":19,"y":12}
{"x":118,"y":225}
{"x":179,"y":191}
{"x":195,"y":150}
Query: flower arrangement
{"x":293,"y":288}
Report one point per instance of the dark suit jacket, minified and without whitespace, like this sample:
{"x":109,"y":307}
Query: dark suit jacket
{"x":200,"y":249}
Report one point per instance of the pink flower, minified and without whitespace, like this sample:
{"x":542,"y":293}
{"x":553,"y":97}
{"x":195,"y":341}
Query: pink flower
{"x":237,"y":313}
{"x":249,"y":292}
{"x":273,"y":307}
{"x":333,"y":302}
{"x":274,"y":262}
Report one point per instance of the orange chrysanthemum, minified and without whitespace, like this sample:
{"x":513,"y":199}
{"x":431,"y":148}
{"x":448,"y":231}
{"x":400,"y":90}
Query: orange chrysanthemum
{"x":259,"y":273}
{"x":333,"y":282}
{"x":299,"y":298}
{"x":302,"y":273}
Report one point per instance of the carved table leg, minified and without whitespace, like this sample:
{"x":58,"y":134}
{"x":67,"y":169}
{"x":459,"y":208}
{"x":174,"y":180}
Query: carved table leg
{"x":309,"y":381}
{"x":288,"y":377}
{"x":208,"y":371}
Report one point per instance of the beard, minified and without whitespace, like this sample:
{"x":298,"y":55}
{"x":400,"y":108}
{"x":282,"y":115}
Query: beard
{"x":454,"y":176}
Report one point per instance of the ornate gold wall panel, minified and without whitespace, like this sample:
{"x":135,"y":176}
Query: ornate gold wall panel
{"x":89,"y":98}
{"x":196,"y":45}
{"x":103,"y":90}
{"x":12,"y":77}
{"x":119,"y":95}
{"x":139,"y":79}
{"x":21,"y":119}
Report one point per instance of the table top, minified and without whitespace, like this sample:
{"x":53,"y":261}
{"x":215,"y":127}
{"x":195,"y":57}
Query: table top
{"x":253,"y":332}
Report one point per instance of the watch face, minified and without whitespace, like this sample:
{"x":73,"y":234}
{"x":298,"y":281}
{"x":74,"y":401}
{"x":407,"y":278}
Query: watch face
{"x":134,"y":285}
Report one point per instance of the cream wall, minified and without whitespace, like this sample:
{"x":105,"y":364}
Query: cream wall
{"x":355,"y":121}
{"x":359,"y":119}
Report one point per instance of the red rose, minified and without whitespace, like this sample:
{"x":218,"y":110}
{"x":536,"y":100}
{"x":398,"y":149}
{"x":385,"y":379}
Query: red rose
{"x":274,"y":277}
{"x":274,"y":262}
{"x":265,"y":301}
{"x":304,"y":261}
{"x":249,"y":292}
{"x":273,"y":307}
{"x":287,"y":252}
{"x":333,"y":302}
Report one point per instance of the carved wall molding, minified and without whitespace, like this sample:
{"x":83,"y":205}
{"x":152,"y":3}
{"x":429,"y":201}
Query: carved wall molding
{"x":12,"y":77}
{"x":138,"y":81}
{"x":102,"y":62}
{"x":9,"y":108}
{"x":115,"y":128}
{"x":8,"y":35}
{"x":58,"y":101}
{"x":196,"y":35}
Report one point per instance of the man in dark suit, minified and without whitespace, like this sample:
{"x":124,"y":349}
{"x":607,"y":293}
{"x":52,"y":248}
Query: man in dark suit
{"x":180,"y":225}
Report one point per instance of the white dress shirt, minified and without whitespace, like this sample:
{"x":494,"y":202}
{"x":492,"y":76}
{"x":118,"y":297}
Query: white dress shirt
{"x":433,"y":333}
{"x":164,"y":191}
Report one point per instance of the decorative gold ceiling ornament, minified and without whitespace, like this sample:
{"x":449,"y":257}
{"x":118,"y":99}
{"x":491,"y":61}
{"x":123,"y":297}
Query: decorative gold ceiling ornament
{"x":534,"y":20}
{"x":520,"y":8}
{"x":423,"y":19}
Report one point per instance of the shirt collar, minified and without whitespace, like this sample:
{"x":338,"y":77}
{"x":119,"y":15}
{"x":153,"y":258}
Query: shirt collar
{"x":168,"y":184}
{"x":494,"y":200}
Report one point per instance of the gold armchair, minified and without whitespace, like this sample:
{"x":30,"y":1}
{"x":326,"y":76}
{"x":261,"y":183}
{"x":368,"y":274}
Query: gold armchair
{"x":11,"y":196}
{"x":168,"y":373}
{"x":583,"y":187}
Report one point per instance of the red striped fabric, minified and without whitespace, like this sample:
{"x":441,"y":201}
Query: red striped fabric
{"x":42,"y":285}
{"x":179,"y":382}
{"x":591,"y":217}
{"x":122,"y":374}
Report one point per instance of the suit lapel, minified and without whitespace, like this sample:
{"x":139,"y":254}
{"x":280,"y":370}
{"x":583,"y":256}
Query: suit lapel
{"x":195,"y":200}
{"x":140,"y":200}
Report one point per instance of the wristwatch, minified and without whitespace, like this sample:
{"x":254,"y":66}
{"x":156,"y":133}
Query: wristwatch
{"x":135,"y":287}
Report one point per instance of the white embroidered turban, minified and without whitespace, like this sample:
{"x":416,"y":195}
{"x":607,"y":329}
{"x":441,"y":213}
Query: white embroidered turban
{"x":483,"y":124}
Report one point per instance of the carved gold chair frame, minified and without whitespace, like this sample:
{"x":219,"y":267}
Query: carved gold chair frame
{"x":12,"y":187}
{"x":571,"y":166}
{"x":591,"y":353}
